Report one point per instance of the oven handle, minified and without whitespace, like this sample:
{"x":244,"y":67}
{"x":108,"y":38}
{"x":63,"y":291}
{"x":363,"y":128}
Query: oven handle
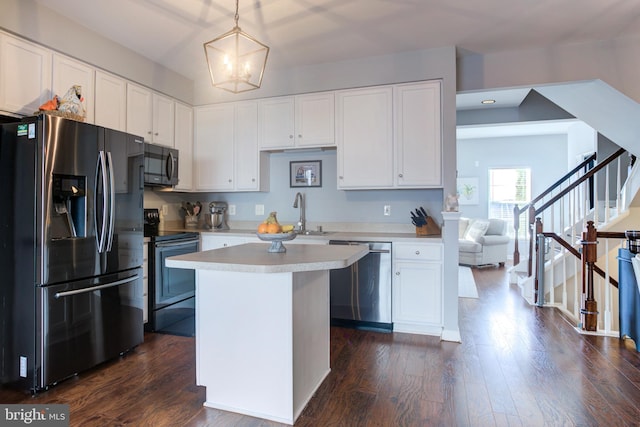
{"x":181,"y":243}
{"x":379,"y":251}
{"x":95,"y":288}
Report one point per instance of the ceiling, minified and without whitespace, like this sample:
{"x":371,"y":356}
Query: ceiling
{"x":306,"y":32}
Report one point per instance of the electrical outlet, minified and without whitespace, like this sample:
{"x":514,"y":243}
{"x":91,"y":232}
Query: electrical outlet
{"x":165,"y":210}
{"x":232,"y":209}
{"x":259,"y":209}
{"x":387,"y":210}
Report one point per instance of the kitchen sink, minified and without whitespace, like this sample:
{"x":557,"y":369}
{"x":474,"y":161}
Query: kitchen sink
{"x":312,"y":233}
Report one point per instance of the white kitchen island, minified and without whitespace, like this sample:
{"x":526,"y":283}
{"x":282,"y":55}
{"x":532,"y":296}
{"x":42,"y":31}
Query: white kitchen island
{"x":262,"y":324}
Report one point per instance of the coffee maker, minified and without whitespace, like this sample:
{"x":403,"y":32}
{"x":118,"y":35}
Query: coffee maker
{"x":216,"y":219}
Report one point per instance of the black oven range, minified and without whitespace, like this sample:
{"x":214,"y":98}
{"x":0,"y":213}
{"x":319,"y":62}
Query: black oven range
{"x":171,"y":291}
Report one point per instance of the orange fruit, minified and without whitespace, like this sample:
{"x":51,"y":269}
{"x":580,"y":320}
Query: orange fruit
{"x":273,"y":228}
{"x":262,"y":228}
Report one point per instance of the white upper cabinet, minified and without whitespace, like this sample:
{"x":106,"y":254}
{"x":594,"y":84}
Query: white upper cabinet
{"x":68,"y":72}
{"x":277,"y":124}
{"x":25,"y":75}
{"x":213,"y":147}
{"x":299,"y":121}
{"x":163,"y":120}
{"x":418,"y":139}
{"x":139,"y":111}
{"x":364,"y":133}
{"x":226,"y":156}
{"x":315,"y":120}
{"x":183,"y":141}
{"x":150,"y":115}
{"x":390,"y":136}
{"x":111,"y":101}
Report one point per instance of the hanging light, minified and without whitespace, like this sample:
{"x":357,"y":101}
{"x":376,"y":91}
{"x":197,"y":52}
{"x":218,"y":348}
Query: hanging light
{"x":236,"y":60}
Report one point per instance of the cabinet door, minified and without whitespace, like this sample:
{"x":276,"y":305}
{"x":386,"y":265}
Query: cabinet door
{"x":68,"y":72}
{"x":183,"y":141}
{"x":139,"y":107}
{"x":213,"y":148}
{"x":246,"y":158}
{"x":276,"y":121}
{"x":216,"y":242}
{"x":25,"y":76}
{"x":365,"y":138}
{"x":163,"y":120}
{"x":111,"y":102}
{"x":418,"y":135}
{"x":417,"y":295}
{"x":315,"y":120}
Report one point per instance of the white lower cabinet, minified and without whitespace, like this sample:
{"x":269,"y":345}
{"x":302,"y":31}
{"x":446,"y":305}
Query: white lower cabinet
{"x":417,"y":288}
{"x":212,"y":241}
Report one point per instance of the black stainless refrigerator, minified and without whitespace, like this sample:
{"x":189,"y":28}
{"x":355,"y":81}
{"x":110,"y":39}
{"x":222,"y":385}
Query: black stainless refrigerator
{"x":71,"y":248}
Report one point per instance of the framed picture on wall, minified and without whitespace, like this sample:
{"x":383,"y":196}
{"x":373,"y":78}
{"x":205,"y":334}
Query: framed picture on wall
{"x":468,"y":191}
{"x":306,"y":173}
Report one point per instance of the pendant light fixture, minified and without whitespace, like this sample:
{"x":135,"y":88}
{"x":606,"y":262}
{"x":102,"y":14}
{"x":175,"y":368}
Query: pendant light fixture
{"x":236,"y":60}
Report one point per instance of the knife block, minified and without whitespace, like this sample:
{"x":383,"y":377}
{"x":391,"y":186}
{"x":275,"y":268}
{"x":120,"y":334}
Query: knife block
{"x":430,"y":229}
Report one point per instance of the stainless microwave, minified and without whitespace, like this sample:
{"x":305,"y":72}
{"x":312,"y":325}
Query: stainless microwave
{"x":160,"y":166}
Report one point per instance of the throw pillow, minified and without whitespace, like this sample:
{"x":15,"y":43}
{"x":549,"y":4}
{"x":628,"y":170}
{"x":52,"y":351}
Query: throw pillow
{"x":476,"y":230}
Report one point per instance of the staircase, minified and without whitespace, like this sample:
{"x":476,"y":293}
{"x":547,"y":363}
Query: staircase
{"x":551,"y":272}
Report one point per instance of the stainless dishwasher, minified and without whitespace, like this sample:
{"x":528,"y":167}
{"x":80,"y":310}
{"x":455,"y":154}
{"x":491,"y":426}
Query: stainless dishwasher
{"x":360,"y":295}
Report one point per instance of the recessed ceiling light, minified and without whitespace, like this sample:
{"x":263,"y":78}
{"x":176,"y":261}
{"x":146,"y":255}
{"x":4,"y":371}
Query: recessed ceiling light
{"x":488,"y":101}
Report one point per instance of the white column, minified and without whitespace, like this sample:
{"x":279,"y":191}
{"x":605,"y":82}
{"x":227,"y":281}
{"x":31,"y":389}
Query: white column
{"x":451,"y":331}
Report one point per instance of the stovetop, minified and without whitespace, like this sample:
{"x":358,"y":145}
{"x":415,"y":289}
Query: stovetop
{"x":151,"y":229}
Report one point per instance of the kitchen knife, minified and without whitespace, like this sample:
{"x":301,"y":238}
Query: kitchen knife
{"x":424,"y":212}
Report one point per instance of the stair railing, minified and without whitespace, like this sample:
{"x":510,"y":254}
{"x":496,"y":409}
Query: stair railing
{"x":578,"y":189}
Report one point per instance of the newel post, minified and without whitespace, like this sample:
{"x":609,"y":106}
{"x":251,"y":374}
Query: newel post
{"x":539,"y":258}
{"x":589,"y":311}
{"x":532,"y":234}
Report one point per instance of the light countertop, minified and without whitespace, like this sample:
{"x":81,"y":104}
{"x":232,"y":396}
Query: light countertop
{"x":254,"y":258}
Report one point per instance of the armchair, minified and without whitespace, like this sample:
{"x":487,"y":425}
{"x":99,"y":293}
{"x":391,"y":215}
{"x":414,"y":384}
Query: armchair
{"x":482,"y":241}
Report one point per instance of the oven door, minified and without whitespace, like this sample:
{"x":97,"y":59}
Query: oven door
{"x":172,"y":285}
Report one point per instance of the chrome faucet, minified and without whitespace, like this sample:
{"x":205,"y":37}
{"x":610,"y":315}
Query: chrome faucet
{"x":302,"y":227}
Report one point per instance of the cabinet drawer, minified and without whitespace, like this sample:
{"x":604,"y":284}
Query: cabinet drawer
{"x":417,"y":252}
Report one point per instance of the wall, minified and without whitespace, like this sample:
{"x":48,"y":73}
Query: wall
{"x":30,"y":20}
{"x":325,"y":205}
{"x":546,"y":155}
{"x":614,"y":61}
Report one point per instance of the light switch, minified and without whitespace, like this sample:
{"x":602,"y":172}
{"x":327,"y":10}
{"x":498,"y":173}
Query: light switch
{"x":259,"y":209}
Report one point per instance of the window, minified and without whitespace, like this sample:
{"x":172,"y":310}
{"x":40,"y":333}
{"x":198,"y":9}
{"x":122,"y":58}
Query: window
{"x":509,"y":187}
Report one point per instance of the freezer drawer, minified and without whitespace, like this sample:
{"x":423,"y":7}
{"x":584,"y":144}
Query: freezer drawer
{"x":85,"y":323}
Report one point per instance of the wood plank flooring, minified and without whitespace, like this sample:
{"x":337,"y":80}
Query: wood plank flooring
{"x":517,"y":366}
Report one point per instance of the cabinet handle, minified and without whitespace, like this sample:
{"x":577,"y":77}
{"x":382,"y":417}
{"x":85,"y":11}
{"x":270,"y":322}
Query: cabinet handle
{"x":156,"y":134}
{"x":253,"y":180}
{"x":340,"y":177}
{"x":417,"y":252}
{"x":397,"y":273}
{"x":149,"y":132}
{"x":399,"y":175}
{"x":290,"y":136}
{"x":299,"y":136}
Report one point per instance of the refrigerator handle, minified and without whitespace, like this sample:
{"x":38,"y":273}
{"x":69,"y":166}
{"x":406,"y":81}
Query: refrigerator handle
{"x":101,"y":172}
{"x":112,"y":202}
{"x":96,"y":288}
{"x":170,"y":161}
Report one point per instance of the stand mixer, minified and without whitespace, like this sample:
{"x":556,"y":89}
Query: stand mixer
{"x":216,"y":219}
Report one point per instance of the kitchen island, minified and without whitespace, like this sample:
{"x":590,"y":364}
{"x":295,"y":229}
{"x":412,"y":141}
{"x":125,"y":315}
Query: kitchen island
{"x":262,"y":324}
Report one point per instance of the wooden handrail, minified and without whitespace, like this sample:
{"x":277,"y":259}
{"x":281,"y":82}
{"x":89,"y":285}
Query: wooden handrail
{"x":577,"y":254}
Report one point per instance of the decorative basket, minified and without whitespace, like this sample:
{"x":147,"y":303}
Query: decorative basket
{"x":430,"y":229}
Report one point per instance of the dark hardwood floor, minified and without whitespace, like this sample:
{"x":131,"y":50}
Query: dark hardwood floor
{"x":518,"y":365}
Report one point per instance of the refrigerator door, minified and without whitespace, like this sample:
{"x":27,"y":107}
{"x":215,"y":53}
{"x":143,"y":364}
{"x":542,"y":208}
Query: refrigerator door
{"x":87,"y":322}
{"x":125,"y":223}
{"x":65,"y":214}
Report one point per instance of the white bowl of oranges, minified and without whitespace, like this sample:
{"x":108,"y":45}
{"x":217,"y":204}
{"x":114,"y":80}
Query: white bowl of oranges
{"x":271,"y":231}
